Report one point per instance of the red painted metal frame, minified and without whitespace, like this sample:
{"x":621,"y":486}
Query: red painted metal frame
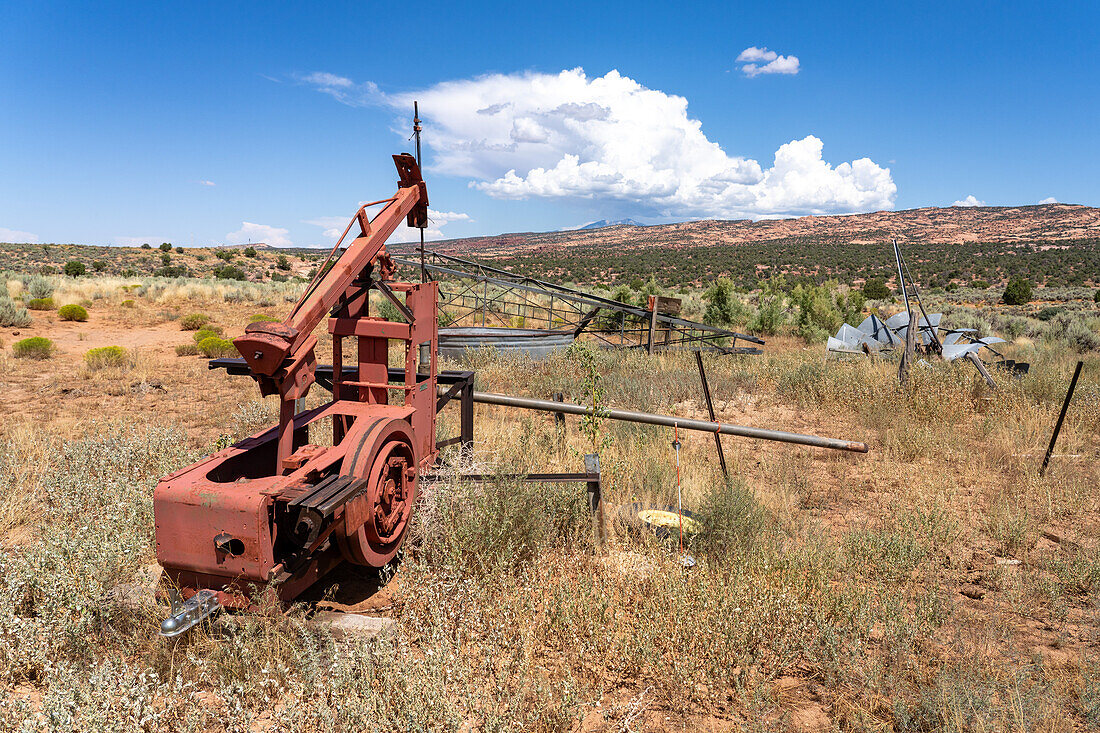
{"x":225,"y":523}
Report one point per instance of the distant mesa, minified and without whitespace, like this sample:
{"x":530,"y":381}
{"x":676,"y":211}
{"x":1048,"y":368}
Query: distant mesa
{"x":246,"y":245}
{"x":604,"y":223}
{"x":1071,"y":223}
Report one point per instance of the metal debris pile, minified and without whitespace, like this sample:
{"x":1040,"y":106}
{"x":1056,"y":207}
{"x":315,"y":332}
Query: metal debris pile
{"x":875,"y":335}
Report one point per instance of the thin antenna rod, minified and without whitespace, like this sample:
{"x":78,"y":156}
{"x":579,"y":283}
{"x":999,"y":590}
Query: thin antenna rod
{"x":416,"y":133}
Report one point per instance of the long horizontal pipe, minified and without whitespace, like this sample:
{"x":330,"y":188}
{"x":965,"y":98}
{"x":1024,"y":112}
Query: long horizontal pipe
{"x":488,"y":398}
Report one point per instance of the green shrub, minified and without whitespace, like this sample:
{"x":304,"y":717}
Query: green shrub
{"x":1081,"y":337}
{"x":13,"y":314}
{"x":166,"y":259}
{"x":980,"y":284}
{"x":35,"y":347}
{"x":261,"y":318}
{"x":249,"y":251}
{"x":47,"y":270}
{"x":105,"y":356}
{"x":388,"y":311}
{"x":74,"y":268}
{"x":229,"y":272}
{"x":179,"y":250}
{"x":194,"y":322}
{"x":213,"y":347}
{"x":38,"y":287}
{"x":734,"y":522}
{"x":187,"y":350}
{"x":770,"y":316}
{"x":724,"y":308}
{"x":224,"y":254}
{"x":820,"y":311}
{"x":282,"y":263}
{"x":40,"y":304}
{"x":99,"y":265}
{"x":206,"y":332}
{"x":145,"y":245}
{"x":1049,"y":312}
{"x":165,"y":247}
{"x":1096,"y":298}
{"x":72,"y":312}
{"x":172,"y":271}
{"x":1017,"y":292}
{"x":875,"y":289}
{"x":127,"y":303}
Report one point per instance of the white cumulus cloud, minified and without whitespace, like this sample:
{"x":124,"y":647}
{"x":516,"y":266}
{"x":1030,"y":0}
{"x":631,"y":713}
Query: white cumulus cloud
{"x":609,"y":139}
{"x":1049,"y":200}
{"x":970,"y":200}
{"x":207,"y":183}
{"x":756,"y":61}
{"x":257,"y":233}
{"x":14,"y":236}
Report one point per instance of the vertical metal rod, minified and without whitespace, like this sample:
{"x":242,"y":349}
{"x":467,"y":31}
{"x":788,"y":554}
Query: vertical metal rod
{"x":679,"y":498}
{"x":710,"y":410}
{"x":907,"y":356}
{"x":1061,"y":417}
{"x":466,"y":414}
{"x":901,"y":278}
{"x":920,"y":305}
{"x":652,"y":325}
{"x":416,"y":133}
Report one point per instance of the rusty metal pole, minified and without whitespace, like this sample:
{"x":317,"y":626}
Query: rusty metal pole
{"x":648,"y":418}
{"x":710,"y":411}
{"x":981,"y":369}
{"x":1061,"y":417}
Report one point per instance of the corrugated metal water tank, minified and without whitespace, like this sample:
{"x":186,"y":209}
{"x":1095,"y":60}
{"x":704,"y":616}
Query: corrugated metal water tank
{"x":453,"y":342}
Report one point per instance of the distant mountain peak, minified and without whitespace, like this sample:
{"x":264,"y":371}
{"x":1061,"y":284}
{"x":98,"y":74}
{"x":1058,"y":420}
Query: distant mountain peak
{"x":603,"y":223}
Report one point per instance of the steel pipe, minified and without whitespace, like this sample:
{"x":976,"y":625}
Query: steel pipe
{"x":488,"y":398}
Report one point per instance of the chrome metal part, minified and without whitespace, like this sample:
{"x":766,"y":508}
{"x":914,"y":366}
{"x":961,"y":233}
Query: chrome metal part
{"x":187,"y":614}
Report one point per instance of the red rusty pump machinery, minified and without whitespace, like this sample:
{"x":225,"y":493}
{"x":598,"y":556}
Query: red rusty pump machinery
{"x":282,"y":507}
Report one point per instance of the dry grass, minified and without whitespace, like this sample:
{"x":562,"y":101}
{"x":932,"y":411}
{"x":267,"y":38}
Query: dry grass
{"x":830,"y":587}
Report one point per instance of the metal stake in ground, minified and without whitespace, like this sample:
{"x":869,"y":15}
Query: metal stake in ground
{"x":686,"y":560}
{"x":710,"y":410}
{"x":1061,"y":417}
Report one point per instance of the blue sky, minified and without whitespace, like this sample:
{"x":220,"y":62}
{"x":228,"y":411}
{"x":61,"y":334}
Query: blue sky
{"x":118,"y":117}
